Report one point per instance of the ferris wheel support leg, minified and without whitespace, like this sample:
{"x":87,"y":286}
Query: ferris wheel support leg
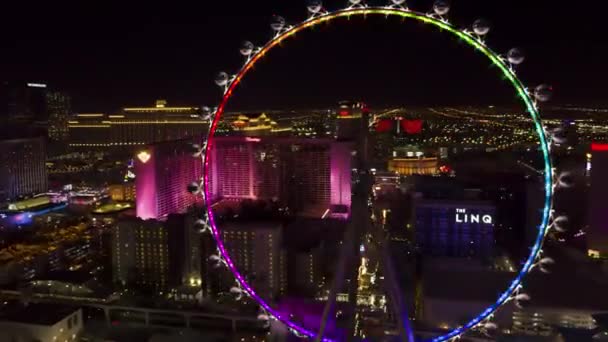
{"x":337,"y":283}
{"x":397,"y":302}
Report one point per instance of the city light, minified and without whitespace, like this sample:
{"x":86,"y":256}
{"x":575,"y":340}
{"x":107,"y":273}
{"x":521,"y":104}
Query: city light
{"x":143,"y":156}
{"x":229,"y":84}
{"x":598,"y":147}
{"x":354,"y":195}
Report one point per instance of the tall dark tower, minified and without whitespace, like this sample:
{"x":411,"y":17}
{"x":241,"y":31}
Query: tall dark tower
{"x":348,"y":120}
{"x":597,"y":234}
{"x":26,"y":102}
{"x":23,"y":107}
{"x":352,"y":121}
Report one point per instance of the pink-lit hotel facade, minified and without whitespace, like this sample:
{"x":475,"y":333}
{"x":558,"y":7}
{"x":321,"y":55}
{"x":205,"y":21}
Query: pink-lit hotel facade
{"x":314,"y":175}
{"x":163,"y":172}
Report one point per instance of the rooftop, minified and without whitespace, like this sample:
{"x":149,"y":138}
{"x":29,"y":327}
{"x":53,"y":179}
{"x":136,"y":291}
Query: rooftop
{"x":112,"y":208}
{"x":573,"y":290}
{"x":29,"y":203}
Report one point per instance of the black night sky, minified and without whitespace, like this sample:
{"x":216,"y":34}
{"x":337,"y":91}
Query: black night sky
{"x":108,"y":55}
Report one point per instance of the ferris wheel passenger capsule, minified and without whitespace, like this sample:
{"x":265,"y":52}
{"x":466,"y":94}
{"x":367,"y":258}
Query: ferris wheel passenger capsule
{"x":222,"y":79}
{"x":201,"y":227}
{"x":559,"y":136}
{"x":515,"y":56}
{"x":565,"y":180}
{"x":277,"y":23}
{"x":195,"y":149}
{"x":314,"y":6}
{"x":441,"y":7}
{"x":194,"y":188}
{"x":545,"y":264}
{"x":543,"y":92}
{"x":215,"y":258}
{"x":560,"y":223}
{"x":490,"y":326}
{"x":246,"y":48}
{"x":521,"y":300}
{"x":206,"y":112}
{"x":355,"y":3}
{"x":481,"y":27}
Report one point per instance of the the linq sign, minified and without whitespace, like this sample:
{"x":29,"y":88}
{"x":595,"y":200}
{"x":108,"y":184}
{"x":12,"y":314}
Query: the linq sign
{"x":463,"y":217}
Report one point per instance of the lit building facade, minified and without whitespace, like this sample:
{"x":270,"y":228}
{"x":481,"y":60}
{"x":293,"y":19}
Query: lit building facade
{"x":257,"y":125}
{"x":350,"y":118}
{"x":597,"y":234}
{"x":163,"y":172}
{"x":59,"y":110}
{"x":184,"y":249}
{"x":340,"y":177}
{"x":455,"y":228}
{"x":124,"y":192}
{"x":411,"y":160}
{"x":140,"y":254}
{"x":157,"y":255}
{"x":414,"y":166}
{"x":133,"y":127}
{"x":307,"y":175}
{"x":256,"y":252}
{"x":305,"y":272}
{"x":22,"y":167}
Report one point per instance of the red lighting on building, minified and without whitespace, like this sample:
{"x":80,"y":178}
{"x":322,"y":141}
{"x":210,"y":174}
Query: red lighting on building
{"x":365,"y":109}
{"x":344,"y":112}
{"x":412,"y":126}
{"x":599,"y":147}
{"x":384,"y":125}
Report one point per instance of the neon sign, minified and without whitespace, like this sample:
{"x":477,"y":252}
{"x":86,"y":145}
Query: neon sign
{"x":463,"y":217}
{"x":597,"y":147}
{"x":143,"y":156}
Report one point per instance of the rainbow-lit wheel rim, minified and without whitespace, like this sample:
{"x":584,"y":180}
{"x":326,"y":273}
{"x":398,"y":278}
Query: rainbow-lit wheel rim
{"x":472,"y":41}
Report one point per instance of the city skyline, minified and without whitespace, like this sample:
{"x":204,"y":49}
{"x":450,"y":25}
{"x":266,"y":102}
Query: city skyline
{"x":180,"y":59}
{"x":421,"y":183}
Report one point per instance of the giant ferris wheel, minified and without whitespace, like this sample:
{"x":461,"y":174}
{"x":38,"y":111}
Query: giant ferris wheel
{"x":474,"y":37}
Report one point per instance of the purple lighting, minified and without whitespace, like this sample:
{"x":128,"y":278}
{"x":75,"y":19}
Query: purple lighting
{"x":145,"y":185}
{"x":340,"y":174}
{"x":162,"y":170}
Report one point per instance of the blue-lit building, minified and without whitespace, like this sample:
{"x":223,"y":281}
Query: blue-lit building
{"x":455,"y":228}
